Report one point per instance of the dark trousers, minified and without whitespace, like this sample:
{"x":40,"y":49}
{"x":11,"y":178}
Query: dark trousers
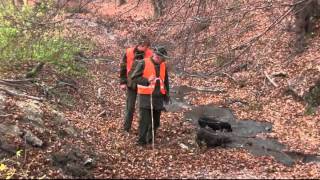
{"x":130,"y":108}
{"x":145,"y":124}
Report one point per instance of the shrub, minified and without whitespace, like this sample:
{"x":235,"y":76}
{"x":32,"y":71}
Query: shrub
{"x":36,"y":33}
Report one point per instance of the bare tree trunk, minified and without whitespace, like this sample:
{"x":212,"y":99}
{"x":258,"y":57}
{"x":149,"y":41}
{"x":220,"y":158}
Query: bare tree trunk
{"x":158,"y":6}
{"x":304,"y":11}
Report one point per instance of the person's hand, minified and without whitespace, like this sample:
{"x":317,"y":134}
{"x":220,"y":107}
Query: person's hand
{"x":123,"y":87}
{"x":152,"y":79}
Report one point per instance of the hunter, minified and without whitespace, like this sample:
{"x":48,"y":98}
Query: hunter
{"x":151,"y":76}
{"x":131,"y":55}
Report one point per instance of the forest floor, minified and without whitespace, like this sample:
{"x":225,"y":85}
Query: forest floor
{"x":116,"y":153}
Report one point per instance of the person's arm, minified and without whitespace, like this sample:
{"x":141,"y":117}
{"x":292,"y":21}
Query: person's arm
{"x":136,"y":73}
{"x":123,"y":70}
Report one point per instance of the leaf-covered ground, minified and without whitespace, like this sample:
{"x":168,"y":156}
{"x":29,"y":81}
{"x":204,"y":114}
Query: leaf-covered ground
{"x":117,"y":155}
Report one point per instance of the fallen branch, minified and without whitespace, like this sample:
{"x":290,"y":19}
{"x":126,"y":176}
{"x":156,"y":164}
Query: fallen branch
{"x":197,"y":75}
{"x":103,"y":113}
{"x":270,"y":80}
{"x":217,"y":90}
{"x":6,"y":115}
{"x":62,"y":83}
{"x":18,"y":81}
{"x":13,"y":84}
{"x":279,"y":74}
{"x":21,"y":95}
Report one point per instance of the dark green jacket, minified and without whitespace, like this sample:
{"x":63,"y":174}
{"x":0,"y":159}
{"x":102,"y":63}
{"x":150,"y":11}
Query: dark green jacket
{"x":123,"y":68}
{"x":136,"y":74}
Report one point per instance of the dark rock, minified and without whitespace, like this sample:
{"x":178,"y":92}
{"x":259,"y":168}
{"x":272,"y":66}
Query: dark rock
{"x":73,"y":163}
{"x":7,"y":148}
{"x":210,"y":111}
{"x":211,"y":139}
{"x":214,"y":124}
{"x":58,"y":118}
{"x":76,"y":170}
{"x":33,"y":139}
{"x":89,"y":162}
{"x":62,"y":159}
{"x":70,"y":131}
{"x":10,"y":130}
{"x":31,"y":111}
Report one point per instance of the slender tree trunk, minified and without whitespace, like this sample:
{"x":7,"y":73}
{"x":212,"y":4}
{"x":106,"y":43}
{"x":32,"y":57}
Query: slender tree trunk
{"x":158,"y":6}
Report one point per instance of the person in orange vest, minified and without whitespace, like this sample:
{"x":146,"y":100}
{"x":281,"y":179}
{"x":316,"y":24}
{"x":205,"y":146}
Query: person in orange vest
{"x":139,"y":52}
{"x":151,"y":75}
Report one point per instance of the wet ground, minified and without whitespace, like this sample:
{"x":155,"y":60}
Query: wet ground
{"x":244,"y":131}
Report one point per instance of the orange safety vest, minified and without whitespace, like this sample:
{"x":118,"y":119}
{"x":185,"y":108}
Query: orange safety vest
{"x":130,"y":57}
{"x":150,"y":70}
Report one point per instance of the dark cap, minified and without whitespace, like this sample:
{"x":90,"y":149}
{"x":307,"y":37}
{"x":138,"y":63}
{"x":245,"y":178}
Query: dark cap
{"x":161,"y":51}
{"x":143,"y":40}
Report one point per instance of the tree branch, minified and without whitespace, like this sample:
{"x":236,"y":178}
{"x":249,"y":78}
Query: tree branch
{"x":270,"y":79}
{"x":21,"y":95}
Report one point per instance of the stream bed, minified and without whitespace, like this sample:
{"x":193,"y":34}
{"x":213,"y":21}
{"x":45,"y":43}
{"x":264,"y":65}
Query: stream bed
{"x":244,"y":132}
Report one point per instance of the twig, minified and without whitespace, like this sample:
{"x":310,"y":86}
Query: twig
{"x":21,"y":95}
{"x":102,"y":113}
{"x":99,"y":93}
{"x":270,"y":79}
